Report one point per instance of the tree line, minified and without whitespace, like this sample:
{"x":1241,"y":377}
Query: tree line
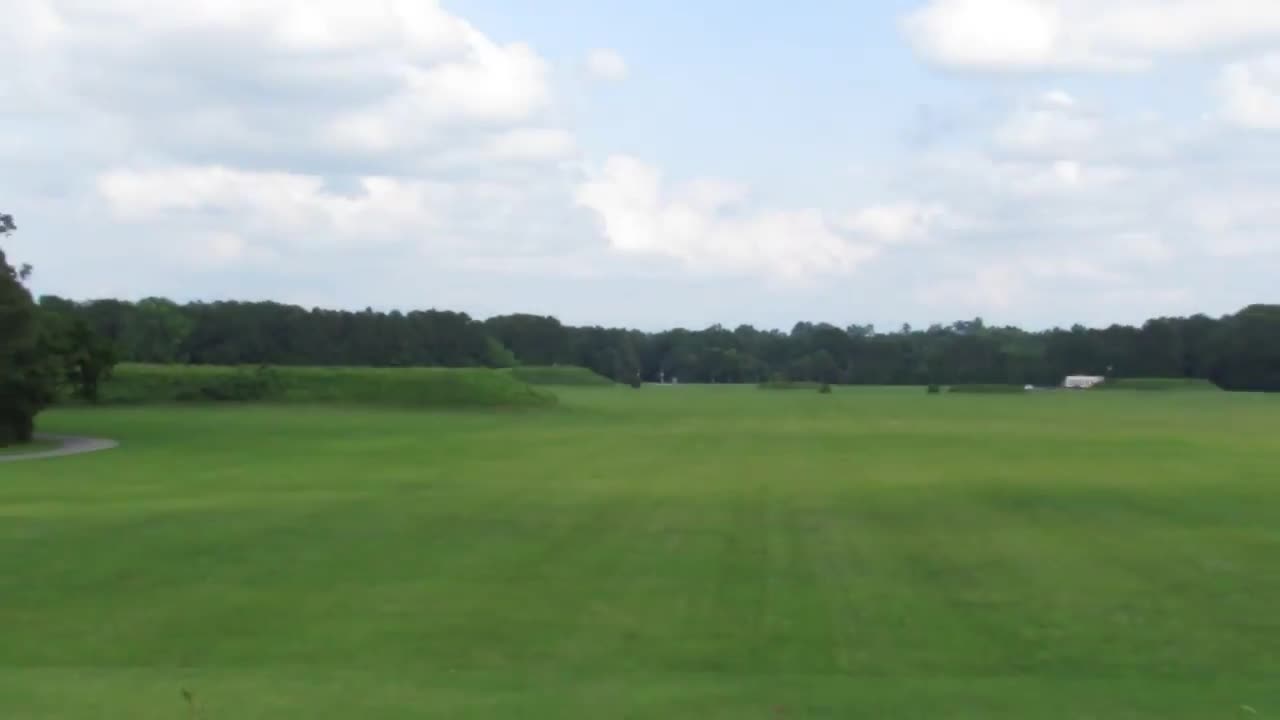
{"x":56,"y":347}
{"x":1238,"y":352}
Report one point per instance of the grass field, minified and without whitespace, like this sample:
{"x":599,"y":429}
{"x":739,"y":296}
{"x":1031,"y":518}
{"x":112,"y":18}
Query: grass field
{"x":1159,"y":384}
{"x":32,"y":447}
{"x":692,"y":552}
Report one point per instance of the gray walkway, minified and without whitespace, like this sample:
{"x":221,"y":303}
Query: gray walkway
{"x":69,"y":445}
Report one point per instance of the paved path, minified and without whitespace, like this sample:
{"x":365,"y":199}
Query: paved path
{"x":68,"y":446}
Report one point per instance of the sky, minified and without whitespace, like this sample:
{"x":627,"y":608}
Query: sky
{"x":651,"y":164}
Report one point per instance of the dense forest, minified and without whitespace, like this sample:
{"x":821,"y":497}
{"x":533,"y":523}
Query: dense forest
{"x":1238,"y":352}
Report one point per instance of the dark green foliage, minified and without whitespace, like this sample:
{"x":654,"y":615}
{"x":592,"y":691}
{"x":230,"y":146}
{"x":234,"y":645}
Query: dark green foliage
{"x":28,"y":378}
{"x":81,"y":358}
{"x":535,"y":340}
{"x":979,"y":389}
{"x":566,"y":375}
{"x":825,"y":389}
{"x":405,"y":387}
{"x":1240,"y":352}
{"x":1248,"y":350}
{"x":934,"y":389}
{"x":497,"y":356}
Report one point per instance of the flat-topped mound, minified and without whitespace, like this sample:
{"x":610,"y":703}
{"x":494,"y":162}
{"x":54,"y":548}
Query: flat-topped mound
{"x":401,"y":387}
{"x":568,"y":375}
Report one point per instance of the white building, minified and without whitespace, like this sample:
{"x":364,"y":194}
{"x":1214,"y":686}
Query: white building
{"x":1082,"y":382}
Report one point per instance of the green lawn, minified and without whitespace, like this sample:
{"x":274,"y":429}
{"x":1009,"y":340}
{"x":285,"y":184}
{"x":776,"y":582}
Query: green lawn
{"x":31,"y":447}
{"x":709,"y":553}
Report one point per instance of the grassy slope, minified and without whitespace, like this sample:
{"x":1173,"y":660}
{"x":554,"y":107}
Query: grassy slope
{"x":416,"y":387}
{"x":694,"y":552}
{"x":561,"y":375}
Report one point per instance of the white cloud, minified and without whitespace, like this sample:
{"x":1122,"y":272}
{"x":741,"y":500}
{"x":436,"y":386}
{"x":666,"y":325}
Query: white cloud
{"x":999,"y":284}
{"x":1068,"y":171}
{"x":533,"y":144}
{"x":294,"y":208}
{"x":221,"y":135}
{"x":274,"y":78}
{"x":220,"y":250}
{"x":1083,"y":34}
{"x":991,"y":287}
{"x":899,"y":223}
{"x":1143,"y":246}
{"x":605,"y":64}
{"x":1059,"y":98}
{"x":1053,"y":125}
{"x":1251,"y":92}
{"x":699,"y":225}
{"x":1235,"y":221}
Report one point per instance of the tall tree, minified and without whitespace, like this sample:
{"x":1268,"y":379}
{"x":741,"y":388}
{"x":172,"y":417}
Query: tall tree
{"x":27,"y":381}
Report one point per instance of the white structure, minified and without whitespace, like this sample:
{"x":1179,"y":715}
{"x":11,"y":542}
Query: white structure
{"x":1082,"y":382}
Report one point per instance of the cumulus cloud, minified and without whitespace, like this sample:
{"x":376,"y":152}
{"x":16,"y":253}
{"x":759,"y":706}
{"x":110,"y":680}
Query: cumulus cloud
{"x":271,"y":80}
{"x":285,"y":205}
{"x":227,"y":136}
{"x":1091,"y":35}
{"x":605,"y":64}
{"x":706,"y":225}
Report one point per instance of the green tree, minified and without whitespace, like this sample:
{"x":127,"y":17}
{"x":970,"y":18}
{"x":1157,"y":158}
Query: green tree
{"x":497,"y":355}
{"x":155,"y":331}
{"x":80,"y":359}
{"x":27,"y":380}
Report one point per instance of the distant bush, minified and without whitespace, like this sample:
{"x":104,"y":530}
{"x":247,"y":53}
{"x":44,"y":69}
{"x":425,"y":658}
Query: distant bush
{"x":1158,"y":384}
{"x":978,"y":389}
{"x":934,"y":389}
{"x":566,"y":375}
{"x":825,"y":389}
{"x":789,"y":385}
{"x":405,"y":387}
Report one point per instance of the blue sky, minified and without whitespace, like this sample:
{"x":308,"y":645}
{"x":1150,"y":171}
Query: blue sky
{"x":1037,"y":162}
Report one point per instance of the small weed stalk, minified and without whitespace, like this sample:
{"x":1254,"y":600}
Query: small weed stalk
{"x":193,"y":708}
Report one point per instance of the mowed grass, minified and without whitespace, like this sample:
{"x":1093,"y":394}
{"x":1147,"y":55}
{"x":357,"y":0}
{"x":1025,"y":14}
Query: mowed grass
{"x":34,"y":446}
{"x":675,"y":552}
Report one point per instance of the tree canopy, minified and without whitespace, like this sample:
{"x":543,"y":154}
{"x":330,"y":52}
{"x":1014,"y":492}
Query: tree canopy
{"x":25,"y":386}
{"x":1238,"y":352}
{"x":41,"y":352}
